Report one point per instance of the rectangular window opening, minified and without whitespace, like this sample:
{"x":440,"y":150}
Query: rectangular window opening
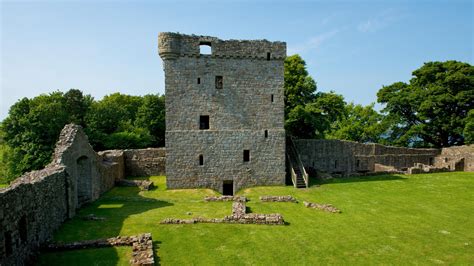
{"x":358,"y":163}
{"x":219,"y":82}
{"x":268,"y":56}
{"x":228,"y":188}
{"x":272,"y":97}
{"x":199,"y":80}
{"x":201,"y":159}
{"x":8,"y":243}
{"x":266,"y":133}
{"x":22,"y":225}
{"x":204,"y":122}
{"x":335,"y":164}
{"x":246,"y":155}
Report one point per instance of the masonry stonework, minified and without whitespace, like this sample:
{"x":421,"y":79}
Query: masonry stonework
{"x":224,"y":112}
{"x":347,"y":157}
{"x":37,"y":203}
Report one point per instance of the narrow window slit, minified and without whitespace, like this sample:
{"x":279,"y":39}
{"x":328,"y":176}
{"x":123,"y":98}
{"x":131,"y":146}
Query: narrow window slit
{"x":266,"y":133}
{"x":268,"y":56}
{"x":199,"y":80}
{"x":219,"y":82}
{"x":204,"y":122}
{"x":201,"y":159}
{"x":246,"y":155}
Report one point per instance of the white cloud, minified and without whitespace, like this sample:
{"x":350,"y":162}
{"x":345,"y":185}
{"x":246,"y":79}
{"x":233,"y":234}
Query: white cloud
{"x":314,"y":42}
{"x":378,"y":22}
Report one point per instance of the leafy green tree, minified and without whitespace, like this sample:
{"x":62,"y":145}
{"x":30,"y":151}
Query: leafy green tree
{"x":469,"y":128}
{"x":314,"y":119}
{"x":114,"y":113}
{"x":31,"y":130}
{"x":151,"y":116}
{"x":359,"y":123}
{"x":300,"y":88}
{"x":431,"y":110}
{"x":307,"y":114}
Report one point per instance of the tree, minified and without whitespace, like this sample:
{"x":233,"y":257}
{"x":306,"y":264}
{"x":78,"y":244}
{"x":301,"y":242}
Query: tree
{"x":32,"y":129}
{"x":431,"y":110}
{"x":359,"y":123}
{"x":469,"y":128}
{"x":114,"y":113}
{"x":299,"y":87}
{"x":151,"y":116}
{"x":307,"y":114}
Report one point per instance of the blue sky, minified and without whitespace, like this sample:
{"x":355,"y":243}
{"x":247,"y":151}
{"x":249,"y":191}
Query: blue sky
{"x":101,"y":47}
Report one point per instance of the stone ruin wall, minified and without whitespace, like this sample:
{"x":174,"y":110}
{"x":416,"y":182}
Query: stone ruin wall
{"x":246,"y":113}
{"x":145,"y":162}
{"x":347,"y":157}
{"x":37,"y":203}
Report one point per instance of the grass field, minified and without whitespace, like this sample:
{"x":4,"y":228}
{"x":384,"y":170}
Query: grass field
{"x":391,"y":219}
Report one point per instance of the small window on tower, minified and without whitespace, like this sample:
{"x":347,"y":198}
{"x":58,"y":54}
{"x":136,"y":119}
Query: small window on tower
{"x":219,"y":82}
{"x":266,"y":133}
{"x":201,"y":159}
{"x":246,"y":155}
{"x":199,"y":80}
{"x":204,"y":122}
{"x":272,"y":98}
{"x":268,"y":56}
{"x":205,"y":48}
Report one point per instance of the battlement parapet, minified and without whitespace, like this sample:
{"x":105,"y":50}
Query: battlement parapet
{"x":174,"y":45}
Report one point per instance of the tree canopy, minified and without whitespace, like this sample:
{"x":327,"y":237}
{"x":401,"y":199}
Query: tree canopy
{"x":118,"y":121}
{"x":432,"y":109}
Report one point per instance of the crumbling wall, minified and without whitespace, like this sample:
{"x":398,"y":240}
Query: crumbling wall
{"x":145,"y":162}
{"x":346,"y":157}
{"x":37,"y":203}
{"x":31,"y":209}
{"x":111,"y":168}
{"x":459,"y":158}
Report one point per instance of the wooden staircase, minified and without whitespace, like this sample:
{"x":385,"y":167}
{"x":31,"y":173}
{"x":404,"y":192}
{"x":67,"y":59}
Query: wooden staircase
{"x":299,"y":176}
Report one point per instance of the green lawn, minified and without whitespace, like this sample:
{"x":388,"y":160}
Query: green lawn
{"x":392,"y":219}
{"x":3,"y":185}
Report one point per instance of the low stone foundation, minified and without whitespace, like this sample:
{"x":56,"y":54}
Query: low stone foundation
{"x":239,"y":215}
{"x":226,"y":198}
{"x":420,"y":168}
{"x":142,"y":246}
{"x":324,"y":207}
{"x":278,"y":199}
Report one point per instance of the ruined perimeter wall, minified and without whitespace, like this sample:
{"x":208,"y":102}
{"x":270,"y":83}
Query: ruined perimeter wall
{"x":249,"y":103}
{"x":145,"y":162}
{"x":37,"y":203}
{"x":346,"y":157}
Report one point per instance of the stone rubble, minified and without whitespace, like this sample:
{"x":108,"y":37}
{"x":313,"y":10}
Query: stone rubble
{"x":92,"y":217}
{"x":239,"y":216}
{"x":278,"y":199}
{"x":324,"y":207}
{"x":225,"y":198}
{"x":142,"y":246}
{"x":144,"y":185}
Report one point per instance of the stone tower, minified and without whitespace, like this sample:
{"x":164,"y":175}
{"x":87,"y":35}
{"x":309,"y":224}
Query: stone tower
{"x":224,"y":112}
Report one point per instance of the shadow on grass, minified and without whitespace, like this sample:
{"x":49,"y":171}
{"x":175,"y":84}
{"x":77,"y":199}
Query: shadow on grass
{"x":114,"y":207}
{"x":314,"y":181}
